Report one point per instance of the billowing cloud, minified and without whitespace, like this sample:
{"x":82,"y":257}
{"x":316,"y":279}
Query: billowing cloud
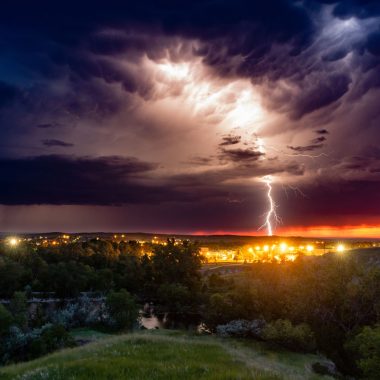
{"x":207,"y":97}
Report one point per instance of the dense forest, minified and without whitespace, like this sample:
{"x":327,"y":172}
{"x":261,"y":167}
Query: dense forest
{"x":328,"y":304}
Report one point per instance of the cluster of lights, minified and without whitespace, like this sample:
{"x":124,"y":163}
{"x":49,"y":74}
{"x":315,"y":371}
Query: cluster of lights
{"x":283,"y":247}
{"x":122,"y":236}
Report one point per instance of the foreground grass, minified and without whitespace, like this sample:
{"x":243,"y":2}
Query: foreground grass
{"x":86,"y":334}
{"x":163,"y":355}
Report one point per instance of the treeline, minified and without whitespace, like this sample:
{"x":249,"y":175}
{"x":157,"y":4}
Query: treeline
{"x":98,"y":265}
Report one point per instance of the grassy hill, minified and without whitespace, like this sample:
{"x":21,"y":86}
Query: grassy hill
{"x":166,"y":355}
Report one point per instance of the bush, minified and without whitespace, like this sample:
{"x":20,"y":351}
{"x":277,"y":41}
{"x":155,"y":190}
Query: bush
{"x":298,"y":337}
{"x":54,"y":338}
{"x":84,"y":312}
{"x":19,"y":345}
{"x":366,"y":346}
{"x":325,"y":369}
{"x":122,"y":309}
{"x":5,"y":320}
{"x":19,"y":309}
{"x":241,"y":328}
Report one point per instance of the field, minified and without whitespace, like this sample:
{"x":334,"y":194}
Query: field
{"x":165,"y":355}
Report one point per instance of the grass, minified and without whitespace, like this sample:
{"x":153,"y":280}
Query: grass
{"x":165,"y":355}
{"x":88,"y":334}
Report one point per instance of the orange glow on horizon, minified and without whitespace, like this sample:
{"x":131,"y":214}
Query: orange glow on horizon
{"x":349,"y":231}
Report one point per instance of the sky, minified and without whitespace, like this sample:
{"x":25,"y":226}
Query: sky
{"x":171,"y":116}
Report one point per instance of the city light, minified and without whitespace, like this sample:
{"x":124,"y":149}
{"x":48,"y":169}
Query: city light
{"x":291,"y":257}
{"x":309,"y":248}
{"x":283,"y":247}
{"x":13,"y":242}
{"x":340,"y":248}
{"x":266,"y":248}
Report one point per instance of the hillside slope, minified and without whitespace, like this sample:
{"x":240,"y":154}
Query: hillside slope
{"x":165,"y":355}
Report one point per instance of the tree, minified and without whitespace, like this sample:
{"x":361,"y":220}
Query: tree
{"x":19,"y":309}
{"x":366,"y":346}
{"x":298,"y":337}
{"x":5,"y":320}
{"x":122,"y":308}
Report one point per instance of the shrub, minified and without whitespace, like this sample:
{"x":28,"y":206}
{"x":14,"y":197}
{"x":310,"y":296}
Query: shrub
{"x":366,"y":346}
{"x":5,"y":320}
{"x":19,"y":309}
{"x":298,"y":337}
{"x":122,"y":309}
{"x":54,"y":338}
{"x":241,"y":328}
{"x":325,"y":368}
{"x":84,"y":312}
{"x":19,"y":345}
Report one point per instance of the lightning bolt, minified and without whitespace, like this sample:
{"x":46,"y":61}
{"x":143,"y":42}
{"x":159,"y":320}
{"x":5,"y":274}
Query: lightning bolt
{"x":268,"y":180}
{"x":271,"y":217}
{"x":271,"y":214}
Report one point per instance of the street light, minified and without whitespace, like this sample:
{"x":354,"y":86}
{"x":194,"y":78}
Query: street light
{"x":13,"y":242}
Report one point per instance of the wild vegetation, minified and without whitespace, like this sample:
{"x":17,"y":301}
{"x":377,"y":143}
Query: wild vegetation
{"x":167,"y":355}
{"x":328,"y":304}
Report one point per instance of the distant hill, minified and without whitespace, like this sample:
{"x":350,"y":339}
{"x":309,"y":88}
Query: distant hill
{"x":167,"y":355}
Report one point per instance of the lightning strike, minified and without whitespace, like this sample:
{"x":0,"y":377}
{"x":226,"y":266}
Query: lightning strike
{"x":271,"y":213}
{"x":312,"y":156}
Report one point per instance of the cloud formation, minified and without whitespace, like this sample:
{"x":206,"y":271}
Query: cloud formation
{"x":207,"y":97}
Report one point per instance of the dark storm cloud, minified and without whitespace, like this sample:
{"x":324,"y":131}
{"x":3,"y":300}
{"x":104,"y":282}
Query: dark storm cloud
{"x":203,"y":161}
{"x":373,"y":44}
{"x":358,"y":8}
{"x":258,"y":40}
{"x":321,"y":94}
{"x":230,"y":140}
{"x":322,"y":132}
{"x":306,"y":148}
{"x":368,"y":163}
{"x":329,"y":202}
{"x":240,"y":155}
{"x":47,"y":125}
{"x":68,"y":180}
{"x":54,"y":142}
{"x":319,"y":139}
{"x":7,"y":93}
{"x":215,"y":182}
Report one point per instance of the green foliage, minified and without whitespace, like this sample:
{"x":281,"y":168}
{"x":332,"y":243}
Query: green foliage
{"x":231,"y":303}
{"x":11,"y":277}
{"x":298,"y":337}
{"x":52,"y":339}
{"x":19,"y":345}
{"x":178,"y":264}
{"x":366,"y":346}
{"x":122,"y":308}
{"x":175,"y":298}
{"x":19,"y":309}
{"x":5,"y":320}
